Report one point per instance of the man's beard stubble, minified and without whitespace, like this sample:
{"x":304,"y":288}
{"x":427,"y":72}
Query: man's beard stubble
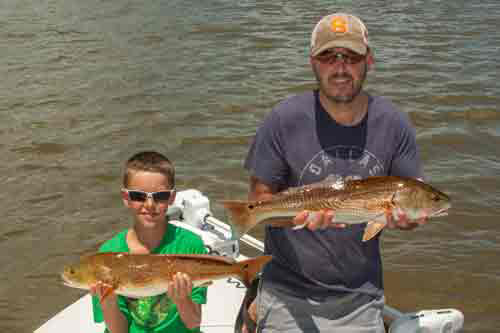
{"x":342,"y":99}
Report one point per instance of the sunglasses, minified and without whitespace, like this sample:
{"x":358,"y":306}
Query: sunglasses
{"x":330,"y":57}
{"x":141,"y":196}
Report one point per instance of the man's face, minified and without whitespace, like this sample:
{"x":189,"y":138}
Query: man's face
{"x":340,"y":73}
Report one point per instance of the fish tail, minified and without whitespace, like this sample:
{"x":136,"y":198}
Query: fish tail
{"x":251,"y":267}
{"x":242,"y":217}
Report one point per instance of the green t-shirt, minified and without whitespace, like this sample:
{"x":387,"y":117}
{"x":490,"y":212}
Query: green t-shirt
{"x":155,"y":314}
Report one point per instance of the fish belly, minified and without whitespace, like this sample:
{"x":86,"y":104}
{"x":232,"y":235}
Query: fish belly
{"x":145,"y":291}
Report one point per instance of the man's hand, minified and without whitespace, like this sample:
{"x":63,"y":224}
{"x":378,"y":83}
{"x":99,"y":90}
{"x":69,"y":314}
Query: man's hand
{"x":403,"y":222}
{"x":316,"y":220}
{"x":252,"y":313}
{"x":311,"y":220}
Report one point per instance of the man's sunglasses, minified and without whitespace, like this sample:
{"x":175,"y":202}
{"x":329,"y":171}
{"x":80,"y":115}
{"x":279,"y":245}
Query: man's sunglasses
{"x":330,"y":57}
{"x":141,"y":196}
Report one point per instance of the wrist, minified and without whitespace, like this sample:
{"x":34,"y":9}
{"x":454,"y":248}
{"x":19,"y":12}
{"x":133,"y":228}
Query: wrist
{"x":183,"y":301}
{"x":109,"y":303}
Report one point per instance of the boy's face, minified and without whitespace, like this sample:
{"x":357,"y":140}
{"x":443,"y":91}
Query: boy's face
{"x":148,"y":213}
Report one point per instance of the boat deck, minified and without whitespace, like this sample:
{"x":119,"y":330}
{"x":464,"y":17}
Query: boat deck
{"x":223,"y":303}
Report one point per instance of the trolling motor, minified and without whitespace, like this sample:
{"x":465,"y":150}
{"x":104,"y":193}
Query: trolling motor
{"x":193,"y":208}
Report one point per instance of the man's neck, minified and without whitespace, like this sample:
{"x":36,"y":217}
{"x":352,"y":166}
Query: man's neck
{"x":347,"y":114}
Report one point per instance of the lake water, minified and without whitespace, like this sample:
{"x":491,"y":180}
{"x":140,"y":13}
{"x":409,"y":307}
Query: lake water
{"x":85,"y":84}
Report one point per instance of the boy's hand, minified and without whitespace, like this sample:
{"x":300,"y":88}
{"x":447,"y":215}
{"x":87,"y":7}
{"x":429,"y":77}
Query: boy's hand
{"x":104,"y":292}
{"x":316,"y":220}
{"x":179,"y":290}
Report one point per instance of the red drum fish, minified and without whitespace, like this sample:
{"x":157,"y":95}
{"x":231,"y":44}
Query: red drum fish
{"x":369,"y":200}
{"x":140,"y":275}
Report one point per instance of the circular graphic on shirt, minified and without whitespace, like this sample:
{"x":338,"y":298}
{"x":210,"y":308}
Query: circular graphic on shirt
{"x":341,"y":162}
{"x":150,"y":311}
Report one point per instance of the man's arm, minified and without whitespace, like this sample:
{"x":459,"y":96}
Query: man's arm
{"x":315,"y":220}
{"x":259,"y":191}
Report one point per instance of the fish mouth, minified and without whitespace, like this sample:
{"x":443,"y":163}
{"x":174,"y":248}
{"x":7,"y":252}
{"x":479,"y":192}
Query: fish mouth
{"x":71,"y":284}
{"x":68,"y":282}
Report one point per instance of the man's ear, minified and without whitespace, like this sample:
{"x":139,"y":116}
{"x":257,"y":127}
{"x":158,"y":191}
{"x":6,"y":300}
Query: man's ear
{"x":370,"y":60}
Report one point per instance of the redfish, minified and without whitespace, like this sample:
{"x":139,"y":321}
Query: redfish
{"x":371,"y":200}
{"x":140,"y":275}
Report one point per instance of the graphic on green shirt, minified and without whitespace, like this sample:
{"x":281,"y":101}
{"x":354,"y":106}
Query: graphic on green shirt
{"x":150,"y":311}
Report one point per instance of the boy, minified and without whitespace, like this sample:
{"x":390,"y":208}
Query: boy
{"x":148,"y":190}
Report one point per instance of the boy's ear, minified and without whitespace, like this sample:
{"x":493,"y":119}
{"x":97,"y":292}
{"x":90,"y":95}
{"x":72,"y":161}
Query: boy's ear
{"x":125,"y":198}
{"x":172,"y":198}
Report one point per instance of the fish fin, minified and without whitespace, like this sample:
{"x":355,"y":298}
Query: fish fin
{"x":108,"y":290}
{"x":310,"y":217}
{"x":242,"y":218}
{"x":206,"y":284}
{"x":251,"y":267}
{"x":300,"y":226}
{"x":196,"y":257}
{"x":334,"y":182}
{"x":374,"y":227}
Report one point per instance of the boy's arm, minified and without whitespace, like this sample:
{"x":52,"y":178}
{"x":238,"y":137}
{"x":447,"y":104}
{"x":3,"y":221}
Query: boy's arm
{"x":190,"y":313}
{"x":114,"y":319}
{"x":179,"y":290}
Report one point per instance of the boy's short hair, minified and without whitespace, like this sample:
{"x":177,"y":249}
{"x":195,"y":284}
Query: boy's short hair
{"x":149,"y":161}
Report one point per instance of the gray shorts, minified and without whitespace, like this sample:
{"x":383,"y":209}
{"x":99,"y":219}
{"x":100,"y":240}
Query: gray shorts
{"x":280,"y":312}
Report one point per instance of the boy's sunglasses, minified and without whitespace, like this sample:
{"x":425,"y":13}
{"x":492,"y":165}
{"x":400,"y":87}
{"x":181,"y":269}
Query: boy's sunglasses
{"x":331,"y":57}
{"x":141,"y":196}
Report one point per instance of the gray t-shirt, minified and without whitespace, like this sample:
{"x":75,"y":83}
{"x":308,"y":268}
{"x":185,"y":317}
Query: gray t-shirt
{"x":299,"y":143}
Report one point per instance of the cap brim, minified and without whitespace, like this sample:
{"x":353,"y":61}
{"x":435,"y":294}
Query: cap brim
{"x":357,"y":47}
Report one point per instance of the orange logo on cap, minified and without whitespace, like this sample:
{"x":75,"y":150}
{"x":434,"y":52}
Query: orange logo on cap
{"x":339,"y":25}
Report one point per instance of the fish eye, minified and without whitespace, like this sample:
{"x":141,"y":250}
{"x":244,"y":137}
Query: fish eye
{"x":436,"y":198}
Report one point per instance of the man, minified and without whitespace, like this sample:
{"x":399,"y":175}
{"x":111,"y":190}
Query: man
{"x":324,"y":278}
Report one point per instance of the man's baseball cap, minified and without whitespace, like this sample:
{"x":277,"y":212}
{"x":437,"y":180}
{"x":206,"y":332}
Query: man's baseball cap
{"x":339,"y":30}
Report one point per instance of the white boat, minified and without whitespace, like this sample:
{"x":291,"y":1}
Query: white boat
{"x":224,"y":297}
